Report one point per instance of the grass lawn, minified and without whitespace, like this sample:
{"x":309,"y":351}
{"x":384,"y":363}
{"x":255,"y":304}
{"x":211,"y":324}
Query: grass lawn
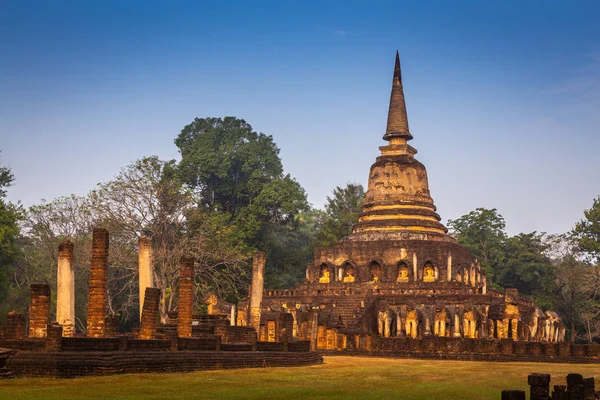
{"x":338,"y":378}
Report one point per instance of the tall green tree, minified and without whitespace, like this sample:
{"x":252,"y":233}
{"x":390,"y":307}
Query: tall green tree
{"x":587,"y":232}
{"x":527,"y":267}
{"x":233,"y":168}
{"x":238,"y":177}
{"x":483,"y":233}
{"x":10,"y":214}
{"x":341,"y":213}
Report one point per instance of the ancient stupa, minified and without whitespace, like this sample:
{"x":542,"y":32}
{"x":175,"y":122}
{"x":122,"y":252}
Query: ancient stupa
{"x":399,"y":273}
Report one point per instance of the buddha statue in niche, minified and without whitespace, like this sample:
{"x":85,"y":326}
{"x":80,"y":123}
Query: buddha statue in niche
{"x":324,"y":275}
{"x":349,"y":275}
{"x":402,"y":274}
{"x":428,"y":273}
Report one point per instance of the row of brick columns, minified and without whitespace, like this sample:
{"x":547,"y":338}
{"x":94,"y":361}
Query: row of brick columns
{"x":98,"y":324}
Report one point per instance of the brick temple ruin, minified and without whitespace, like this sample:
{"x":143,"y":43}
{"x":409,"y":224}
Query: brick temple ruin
{"x":400,"y":285}
{"x":38,"y":346}
{"x":397,"y":286}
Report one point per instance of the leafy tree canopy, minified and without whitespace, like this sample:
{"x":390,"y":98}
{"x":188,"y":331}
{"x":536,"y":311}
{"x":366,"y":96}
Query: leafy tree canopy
{"x":238,"y":172}
{"x":527,"y":266}
{"x":10,"y":214}
{"x":482,"y":232}
{"x":341,"y":213}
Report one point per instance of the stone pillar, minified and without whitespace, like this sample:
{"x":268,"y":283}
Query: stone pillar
{"x":186,"y":297}
{"x":484,"y":288}
{"x":314,"y":331}
{"x":233,"y":316}
{"x":54,"y":338}
{"x":253,"y":339}
{"x":65,"y":289}
{"x":144,"y":267}
{"x":427,"y":322}
{"x":539,"y":386}
{"x":449,"y":269}
{"x":415,"y":268}
{"x":220,"y":330}
{"x":39,"y":310}
{"x":149,"y":317}
{"x":514,"y":329}
{"x":456,"y":332}
{"x":15,"y":325}
{"x":258,"y":280}
{"x":97,"y":299}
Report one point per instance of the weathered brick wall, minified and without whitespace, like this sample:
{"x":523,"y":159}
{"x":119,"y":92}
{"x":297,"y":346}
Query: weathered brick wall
{"x":54,"y":337}
{"x":97,"y":300}
{"x":15,"y":326}
{"x":39,"y":310}
{"x":469,"y":349}
{"x":71,"y":364}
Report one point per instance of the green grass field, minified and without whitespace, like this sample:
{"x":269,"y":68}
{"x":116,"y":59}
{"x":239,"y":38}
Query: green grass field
{"x":338,"y":378}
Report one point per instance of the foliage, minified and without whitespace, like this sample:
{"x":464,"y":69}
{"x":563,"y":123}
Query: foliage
{"x":44,"y":227}
{"x":527,"y":266}
{"x":237,"y":171}
{"x":10,"y":214}
{"x":148,"y":198}
{"x":341,"y":213}
{"x":290,"y":250}
{"x":587,"y":232}
{"x":482,"y":232}
{"x":238,"y":178}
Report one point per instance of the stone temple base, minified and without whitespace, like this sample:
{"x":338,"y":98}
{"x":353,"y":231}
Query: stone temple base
{"x":71,"y":364}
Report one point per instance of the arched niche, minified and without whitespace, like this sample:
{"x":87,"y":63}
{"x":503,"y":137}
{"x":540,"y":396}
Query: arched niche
{"x":347,"y":272}
{"x":324,"y":273}
{"x":403,"y":272}
{"x":429,"y":272}
{"x":375,"y":271}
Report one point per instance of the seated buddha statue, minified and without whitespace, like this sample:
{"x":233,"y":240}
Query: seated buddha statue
{"x":402,"y":275}
{"x":349,"y":277}
{"x":324,"y":276}
{"x":428,"y":274}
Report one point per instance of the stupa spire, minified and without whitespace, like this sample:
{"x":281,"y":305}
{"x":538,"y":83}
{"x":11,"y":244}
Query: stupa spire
{"x":397,"y":123}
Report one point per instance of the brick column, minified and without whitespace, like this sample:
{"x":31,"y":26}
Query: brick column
{"x":149,"y":319}
{"x":539,"y":386}
{"x":39,"y":310}
{"x":15,"y":326}
{"x":97,"y":300}
{"x":54,"y":339}
{"x":144,"y":268}
{"x":65,"y":285}
{"x":186,"y":297}
{"x":258,"y":280}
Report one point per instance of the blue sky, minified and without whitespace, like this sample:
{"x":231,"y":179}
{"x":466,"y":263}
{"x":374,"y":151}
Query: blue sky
{"x":503,"y":96}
